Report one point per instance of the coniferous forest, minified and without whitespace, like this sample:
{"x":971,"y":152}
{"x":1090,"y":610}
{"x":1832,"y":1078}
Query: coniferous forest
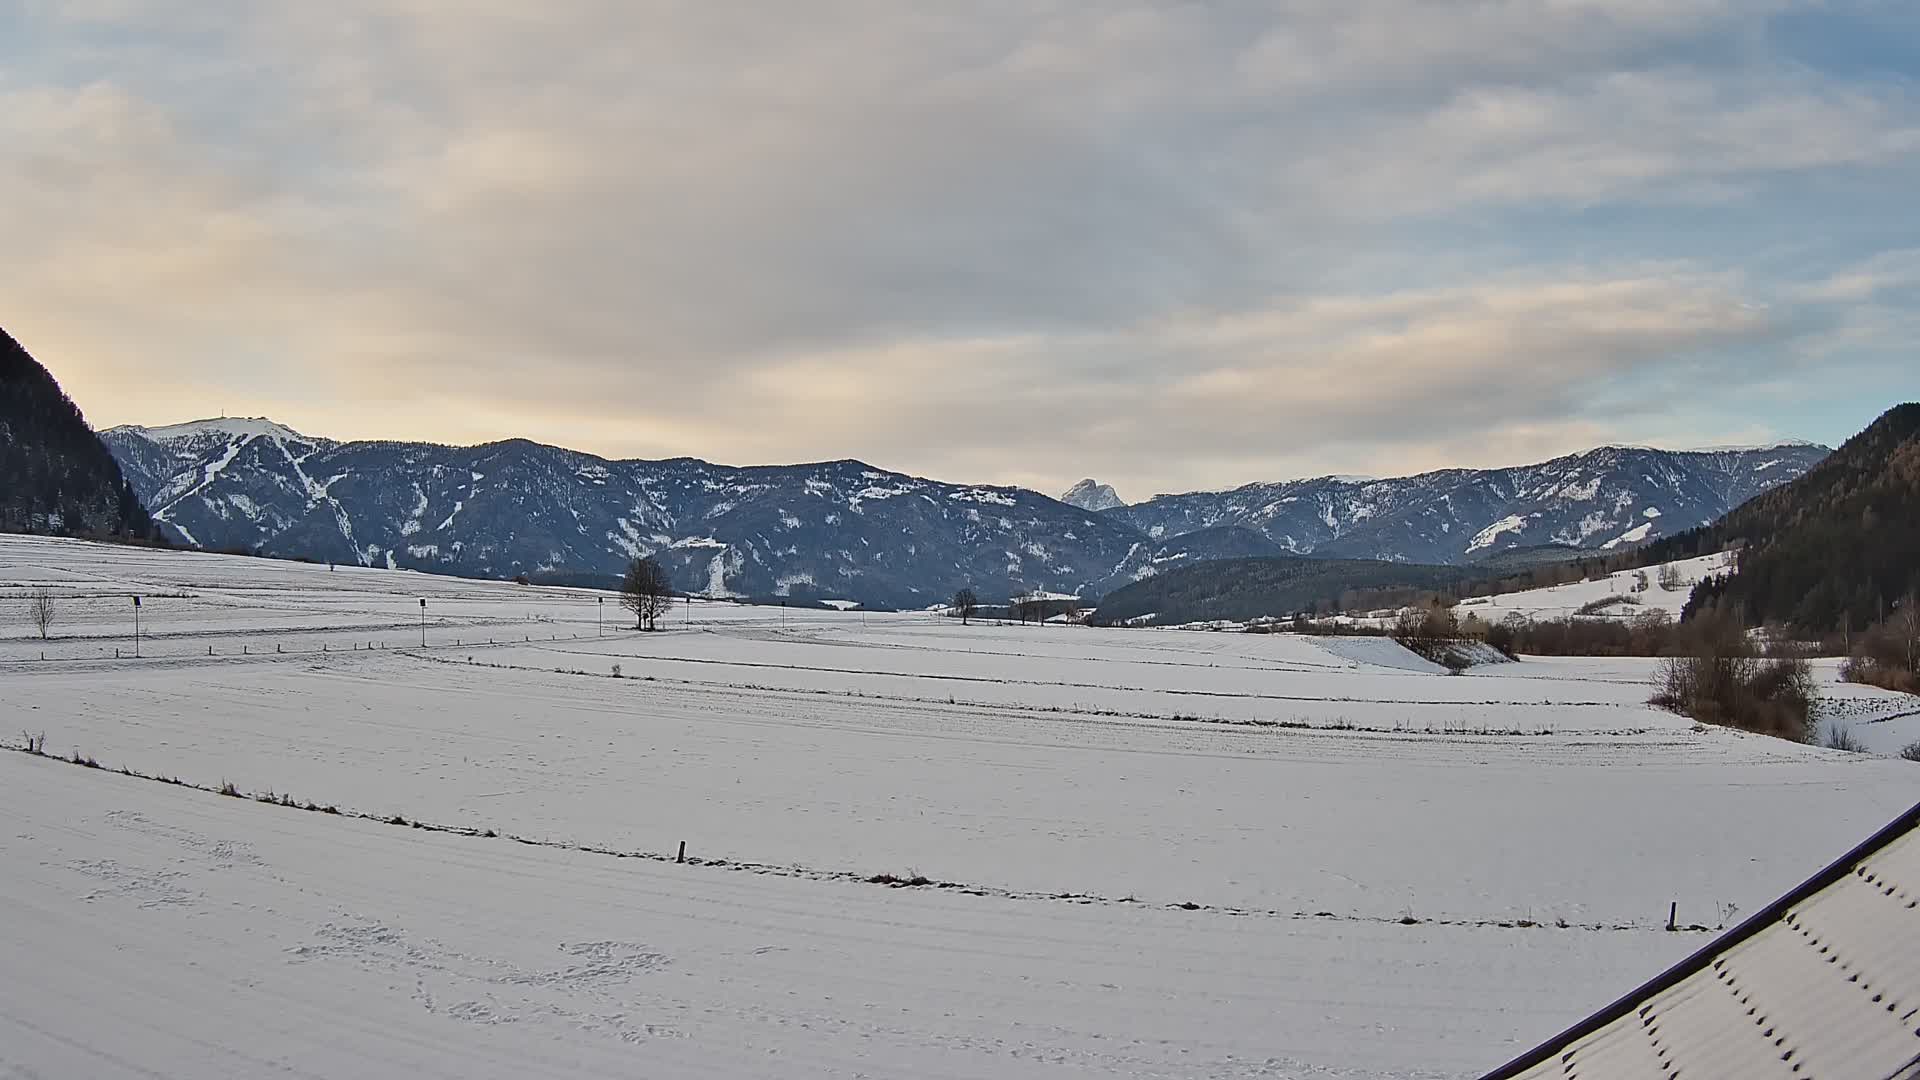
{"x":1837,"y":549}
{"x":59,"y":477}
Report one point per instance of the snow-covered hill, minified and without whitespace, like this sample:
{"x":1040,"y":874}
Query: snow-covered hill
{"x":1602,"y":499}
{"x":1626,"y":594}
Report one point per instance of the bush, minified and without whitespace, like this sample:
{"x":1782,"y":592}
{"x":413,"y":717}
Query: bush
{"x":1598,"y":607}
{"x":1869,"y":672}
{"x":1839,"y":738}
{"x":1650,"y":633}
{"x":913,"y":879}
{"x":1505,"y":637}
{"x":1912,"y":752}
{"x":1429,"y":632}
{"x":1719,"y":681}
{"x":1888,"y":654}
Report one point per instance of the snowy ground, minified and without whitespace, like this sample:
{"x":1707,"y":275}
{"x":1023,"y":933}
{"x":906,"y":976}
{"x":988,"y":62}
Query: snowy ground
{"x":1350,"y":827}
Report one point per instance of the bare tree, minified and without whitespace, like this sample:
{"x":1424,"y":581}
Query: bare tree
{"x":965,"y":602}
{"x":1905,"y":624}
{"x":40,"y":611}
{"x":646,"y":592}
{"x":1669,"y":577}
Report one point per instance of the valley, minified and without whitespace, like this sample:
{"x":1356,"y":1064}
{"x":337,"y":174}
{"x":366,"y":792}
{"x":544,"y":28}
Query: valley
{"x":1144,"y":852}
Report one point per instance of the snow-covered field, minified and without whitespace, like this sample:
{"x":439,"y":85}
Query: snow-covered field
{"x":1164,"y":853}
{"x":1620,"y":592}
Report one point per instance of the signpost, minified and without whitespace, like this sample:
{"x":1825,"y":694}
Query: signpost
{"x":423,"y":622}
{"x":136,"y":628}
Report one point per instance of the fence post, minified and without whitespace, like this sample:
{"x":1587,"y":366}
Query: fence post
{"x":1673,"y":916}
{"x":682,"y":857}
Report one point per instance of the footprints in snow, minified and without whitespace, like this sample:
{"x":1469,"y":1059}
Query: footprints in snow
{"x":220,"y":852}
{"x":491,"y":990}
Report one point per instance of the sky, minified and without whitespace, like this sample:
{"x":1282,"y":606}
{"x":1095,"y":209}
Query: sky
{"x":1171,"y":245}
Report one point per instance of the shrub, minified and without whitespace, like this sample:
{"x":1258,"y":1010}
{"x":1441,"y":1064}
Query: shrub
{"x":1718,"y":680}
{"x":1912,"y":752}
{"x":1869,"y":672}
{"x":914,"y":879}
{"x":1840,"y":738}
{"x":1598,"y":607}
{"x":1649,"y":633}
{"x":1888,"y":654}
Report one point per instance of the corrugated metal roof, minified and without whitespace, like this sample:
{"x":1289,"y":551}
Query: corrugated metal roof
{"x":1824,"y":983}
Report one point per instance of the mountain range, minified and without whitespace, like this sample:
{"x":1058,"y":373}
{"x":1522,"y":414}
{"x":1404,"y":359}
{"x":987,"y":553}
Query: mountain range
{"x":1602,"y":499}
{"x":838,"y":529}
{"x":844,"y":529}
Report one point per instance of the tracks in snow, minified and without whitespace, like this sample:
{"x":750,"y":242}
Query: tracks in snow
{"x":847,"y":877}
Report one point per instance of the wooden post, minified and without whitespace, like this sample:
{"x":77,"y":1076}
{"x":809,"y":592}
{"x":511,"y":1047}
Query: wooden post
{"x":682,"y":857}
{"x":1673,"y":916}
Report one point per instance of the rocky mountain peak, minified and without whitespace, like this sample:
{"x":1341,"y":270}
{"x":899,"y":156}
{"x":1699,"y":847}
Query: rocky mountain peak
{"x":1092,"y":495}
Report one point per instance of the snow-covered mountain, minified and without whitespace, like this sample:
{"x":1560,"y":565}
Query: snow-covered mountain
{"x":1601,"y":499}
{"x":839,"y":529}
{"x":1091,"y":495}
{"x":843,"y":529}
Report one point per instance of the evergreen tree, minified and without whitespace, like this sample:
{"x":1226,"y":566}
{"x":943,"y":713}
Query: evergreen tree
{"x":55,"y":474}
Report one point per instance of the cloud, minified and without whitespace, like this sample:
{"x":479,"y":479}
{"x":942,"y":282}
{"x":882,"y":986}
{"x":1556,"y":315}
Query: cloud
{"x":1171,"y":244}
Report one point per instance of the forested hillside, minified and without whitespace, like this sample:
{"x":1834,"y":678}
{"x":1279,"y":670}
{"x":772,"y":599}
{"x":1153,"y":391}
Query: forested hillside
{"x":1834,"y":549}
{"x":55,"y":474}
{"x":1264,"y":587}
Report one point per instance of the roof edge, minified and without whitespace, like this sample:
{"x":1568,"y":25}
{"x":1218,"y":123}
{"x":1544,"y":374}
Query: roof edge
{"x":1700,"y":960}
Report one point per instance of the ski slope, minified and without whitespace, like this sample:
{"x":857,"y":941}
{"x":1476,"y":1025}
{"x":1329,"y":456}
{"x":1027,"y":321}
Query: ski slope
{"x":1149,"y":853}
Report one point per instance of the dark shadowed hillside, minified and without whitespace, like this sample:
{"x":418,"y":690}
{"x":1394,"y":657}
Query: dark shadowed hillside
{"x":1262,"y":587}
{"x":55,"y":474}
{"x":1836,"y":547}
